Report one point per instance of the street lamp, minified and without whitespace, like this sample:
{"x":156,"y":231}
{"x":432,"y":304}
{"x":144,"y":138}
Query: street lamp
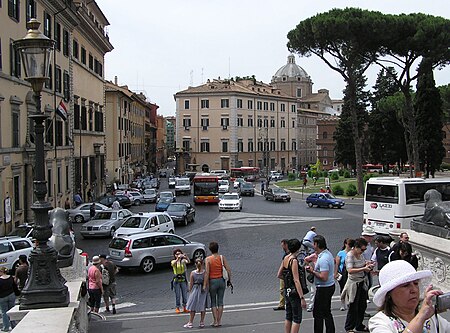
{"x":45,"y":286}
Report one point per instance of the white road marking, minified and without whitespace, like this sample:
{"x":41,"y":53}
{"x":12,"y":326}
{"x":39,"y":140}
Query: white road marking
{"x":119,"y":306}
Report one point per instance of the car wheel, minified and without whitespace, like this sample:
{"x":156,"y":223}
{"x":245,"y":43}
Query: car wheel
{"x":185,"y":221}
{"x":330,"y":206}
{"x":147,"y":264}
{"x":198,"y":254}
{"x":111,"y":233}
{"x":310,"y":204}
{"x":137,"y":202}
{"x":79,"y":219}
{"x":288,"y":200}
{"x":193,"y":218}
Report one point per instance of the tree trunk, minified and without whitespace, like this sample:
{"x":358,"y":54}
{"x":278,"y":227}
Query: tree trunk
{"x":414,"y":141}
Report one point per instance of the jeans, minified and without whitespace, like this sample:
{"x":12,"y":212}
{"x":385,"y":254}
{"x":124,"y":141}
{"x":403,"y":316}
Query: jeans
{"x":7,"y":303}
{"x":322,"y":309}
{"x":356,"y":309}
{"x":180,"y":288}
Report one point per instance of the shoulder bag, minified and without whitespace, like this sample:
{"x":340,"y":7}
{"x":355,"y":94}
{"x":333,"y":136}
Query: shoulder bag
{"x":224,"y":270}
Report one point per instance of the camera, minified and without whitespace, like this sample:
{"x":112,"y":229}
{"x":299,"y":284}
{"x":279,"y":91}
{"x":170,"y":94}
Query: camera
{"x":443,"y":302}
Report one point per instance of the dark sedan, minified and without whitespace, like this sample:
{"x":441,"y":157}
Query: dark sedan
{"x":181,"y":213}
{"x":324,"y":200}
{"x":247,"y":189}
{"x":108,"y":200}
{"x":277,"y":194}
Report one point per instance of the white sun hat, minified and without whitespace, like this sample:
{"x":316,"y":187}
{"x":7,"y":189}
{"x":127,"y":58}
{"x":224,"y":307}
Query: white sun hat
{"x":396,"y":273}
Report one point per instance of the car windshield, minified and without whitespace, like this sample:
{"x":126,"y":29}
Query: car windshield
{"x":165,"y":200}
{"x":329,"y":196}
{"x":223,"y":182}
{"x":105,"y":216}
{"x":135,"y":194}
{"x":279,"y":190}
{"x":246,"y":185}
{"x":183,"y":182}
{"x":134,"y":222}
{"x":231,"y":197}
{"x":176,"y":208}
{"x":149,"y":191}
{"x":166,"y":195}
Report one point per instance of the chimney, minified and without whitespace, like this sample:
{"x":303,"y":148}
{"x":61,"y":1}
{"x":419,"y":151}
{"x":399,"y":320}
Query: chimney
{"x":115,"y":80}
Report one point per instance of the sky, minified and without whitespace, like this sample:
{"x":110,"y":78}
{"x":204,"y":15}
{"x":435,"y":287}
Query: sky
{"x":163,"y":46}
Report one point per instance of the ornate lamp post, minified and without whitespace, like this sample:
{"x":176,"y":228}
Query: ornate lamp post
{"x":45,"y":286}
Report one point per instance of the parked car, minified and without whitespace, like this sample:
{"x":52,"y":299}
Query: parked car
{"x":108,"y":200}
{"x":146,"y":250}
{"x":150,"y":195}
{"x":224,"y":185}
{"x":230,"y":201}
{"x":23,"y":230}
{"x":172,"y":181}
{"x":247,"y":189}
{"x":277,"y":194}
{"x":105,"y":223}
{"x":181,"y":212}
{"x":146,"y":222}
{"x":138,"y":198}
{"x":11,"y":248}
{"x":324,"y":200}
{"x":82,"y":214}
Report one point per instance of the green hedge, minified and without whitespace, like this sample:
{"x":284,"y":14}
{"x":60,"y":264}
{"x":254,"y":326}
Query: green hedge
{"x":351,"y":190}
{"x":338,"y":190}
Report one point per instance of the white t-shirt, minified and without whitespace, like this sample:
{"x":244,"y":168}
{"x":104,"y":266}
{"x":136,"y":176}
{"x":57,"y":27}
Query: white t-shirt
{"x":380,"y":323}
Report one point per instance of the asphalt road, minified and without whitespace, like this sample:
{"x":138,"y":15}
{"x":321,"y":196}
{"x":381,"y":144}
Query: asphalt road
{"x":250,"y":240}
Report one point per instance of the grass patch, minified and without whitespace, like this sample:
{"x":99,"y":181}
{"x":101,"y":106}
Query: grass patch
{"x":297,"y":185}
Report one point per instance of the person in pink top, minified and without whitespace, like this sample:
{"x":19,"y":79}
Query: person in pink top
{"x":95,"y":284}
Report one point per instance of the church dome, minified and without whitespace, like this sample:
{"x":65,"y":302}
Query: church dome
{"x":290,"y":71}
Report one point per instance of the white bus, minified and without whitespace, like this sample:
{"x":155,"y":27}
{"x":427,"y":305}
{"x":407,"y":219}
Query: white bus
{"x":391,"y":203}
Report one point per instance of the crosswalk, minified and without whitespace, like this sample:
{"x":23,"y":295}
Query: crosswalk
{"x":234,"y":220}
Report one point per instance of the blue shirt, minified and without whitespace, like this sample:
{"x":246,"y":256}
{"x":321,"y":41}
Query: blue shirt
{"x":342,"y":254}
{"x":325,"y":263}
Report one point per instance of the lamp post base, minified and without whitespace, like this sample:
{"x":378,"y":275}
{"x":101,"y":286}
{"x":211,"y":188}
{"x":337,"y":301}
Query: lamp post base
{"x":45,"y":286}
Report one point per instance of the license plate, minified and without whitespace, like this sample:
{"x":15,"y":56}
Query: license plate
{"x":92,"y":233}
{"x":378,"y":224}
{"x":115,"y":253}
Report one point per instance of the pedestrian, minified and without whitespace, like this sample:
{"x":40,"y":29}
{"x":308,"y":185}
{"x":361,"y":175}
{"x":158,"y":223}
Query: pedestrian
{"x":311,"y":261}
{"x":198,"y":299}
{"x":328,"y":189}
{"x":305,"y":181}
{"x":340,"y":271}
{"x":282,"y":301}
{"x":95,"y":285}
{"x":315,"y":180}
{"x":322,"y":190}
{"x":295,"y":300}
{"x":308,"y":240}
{"x":404,"y":252}
{"x":262,"y":187}
{"x":109,"y":289}
{"x":215,"y":265}
{"x":21,"y":274}
{"x":368,"y":234}
{"x":403,"y":238}
{"x":324,"y":281}
{"x":89,"y":195}
{"x":381,"y":253}
{"x":67,"y":203}
{"x":8,"y":289}
{"x":92,"y":210}
{"x":77,"y":199}
{"x":357,"y":286}
{"x":116,"y":205}
{"x":179,"y":280}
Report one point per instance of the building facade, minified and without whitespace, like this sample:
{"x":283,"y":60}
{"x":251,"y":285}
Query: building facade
{"x":171,"y":131}
{"x":326,"y":126}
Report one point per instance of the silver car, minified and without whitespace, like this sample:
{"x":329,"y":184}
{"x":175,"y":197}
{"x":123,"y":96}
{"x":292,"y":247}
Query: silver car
{"x":146,"y":250}
{"x":81,"y":213}
{"x":104,"y":224}
{"x":150,"y":195}
{"x":146,"y":222}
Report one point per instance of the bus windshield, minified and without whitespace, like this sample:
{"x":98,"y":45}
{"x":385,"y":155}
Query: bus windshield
{"x":206,"y":188}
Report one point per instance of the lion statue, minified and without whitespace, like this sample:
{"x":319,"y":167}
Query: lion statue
{"x":62,"y":238}
{"x":436,"y":210}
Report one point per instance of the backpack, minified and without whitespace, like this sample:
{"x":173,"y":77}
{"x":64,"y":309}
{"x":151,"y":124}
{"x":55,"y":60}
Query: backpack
{"x":288,"y":277}
{"x":105,"y":276}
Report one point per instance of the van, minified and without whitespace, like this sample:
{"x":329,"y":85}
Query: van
{"x":182,"y":186}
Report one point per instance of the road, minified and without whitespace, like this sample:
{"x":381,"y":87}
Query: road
{"x":251,"y":241}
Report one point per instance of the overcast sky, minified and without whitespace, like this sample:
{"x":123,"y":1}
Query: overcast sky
{"x":164,"y":46}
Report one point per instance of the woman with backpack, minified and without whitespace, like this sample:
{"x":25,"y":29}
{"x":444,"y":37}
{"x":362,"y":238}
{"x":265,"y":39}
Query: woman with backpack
{"x":295,"y":300}
{"x":340,"y":272}
{"x":95,"y":285}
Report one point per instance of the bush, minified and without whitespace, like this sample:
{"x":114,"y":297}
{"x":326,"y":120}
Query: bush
{"x":291,"y":176}
{"x":310,"y":174}
{"x":346,"y":174}
{"x":367,"y":176}
{"x":351,"y":190}
{"x":335,"y":176}
{"x":341,"y":172}
{"x":338,"y":190}
{"x":445,"y":166}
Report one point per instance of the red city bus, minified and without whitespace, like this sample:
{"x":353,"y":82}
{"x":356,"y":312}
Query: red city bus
{"x":250,"y":174}
{"x":206,"y":188}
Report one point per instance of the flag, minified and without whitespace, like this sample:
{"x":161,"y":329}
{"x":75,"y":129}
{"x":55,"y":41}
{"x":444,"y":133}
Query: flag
{"x":62,"y":111}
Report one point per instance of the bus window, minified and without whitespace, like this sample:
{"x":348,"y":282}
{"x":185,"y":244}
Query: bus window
{"x":382,"y":193}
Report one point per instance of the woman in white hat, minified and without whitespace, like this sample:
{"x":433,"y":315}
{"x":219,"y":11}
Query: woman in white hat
{"x":401,"y":289}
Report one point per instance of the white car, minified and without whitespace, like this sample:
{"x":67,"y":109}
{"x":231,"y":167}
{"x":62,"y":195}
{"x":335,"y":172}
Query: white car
{"x":230,"y":201}
{"x":146,"y":222}
{"x":182,"y":186}
{"x":224,"y":185}
{"x":219,"y":173}
{"x":11,"y":248}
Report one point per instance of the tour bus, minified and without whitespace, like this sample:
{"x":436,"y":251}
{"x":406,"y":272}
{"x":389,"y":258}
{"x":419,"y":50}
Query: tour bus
{"x":248,"y":173}
{"x":390,"y":203}
{"x":206,"y":188}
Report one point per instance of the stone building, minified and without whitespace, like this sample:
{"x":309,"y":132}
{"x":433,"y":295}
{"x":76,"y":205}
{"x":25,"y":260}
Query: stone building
{"x":326,"y":126}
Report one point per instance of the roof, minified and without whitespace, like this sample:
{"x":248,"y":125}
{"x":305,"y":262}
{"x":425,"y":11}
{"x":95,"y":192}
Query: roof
{"x":290,"y":70}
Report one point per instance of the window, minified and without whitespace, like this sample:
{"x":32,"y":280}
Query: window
{"x":250,"y":121}
{"x":283,"y":145}
{"x":47,"y":25}
{"x":283,"y":123}
{"x":224,"y":122}
{"x":59,"y":133}
{"x":204,"y":146}
{"x":186,"y":104}
{"x":13,"y":9}
{"x":266,"y":122}
{"x":259,"y":105}
{"x":272,"y":106}
{"x":76,"y":116}
{"x":31,"y":9}
{"x":83,"y":118}
{"x":49,"y":82}
{"x":240,"y":121}
{"x":21,"y":244}
{"x":272,"y":121}
{"x":250,"y":104}
{"x":14,"y":59}
{"x":49,"y":183}
{"x":294,"y":144}
{"x":66,"y":41}
{"x":283,"y":107}
{"x":266,"y":106}
{"x":58,"y":83}
{"x":98,"y":120}
{"x":187,"y":122}
{"x":224,"y":146}
{"x":293,"y":108}
{"x":75,"y":50}
{"x":66,"y":79}
{"x":260,"y":145}
{"x":293,"y":122}
{"x":239,"y":103}
{"x":325,"y":135}
{"x":16,"y":193}
{"x":49,"y":131}
{"x":272,"y":146}
{"x":186,"y":145}
{"x":91,"y":117}
{"x":15,"y":129}
{"x":250,"y":145}
{"x":224,"y":103}
{"x":83,"y":55}
{"x":91,"y":62}
{"x":204,"y":103}
{"x":67,"y":177}
{"x":240,"y":145}
{"x":259,"y":121}
{"x":205,"y":123}
{"x":58,"y":36}
{"x":299,"y":92}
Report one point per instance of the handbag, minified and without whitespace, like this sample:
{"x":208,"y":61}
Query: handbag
{"x":224,"y":270}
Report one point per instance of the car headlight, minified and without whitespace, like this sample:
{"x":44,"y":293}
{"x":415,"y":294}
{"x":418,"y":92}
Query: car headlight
{"x":104,"y":228}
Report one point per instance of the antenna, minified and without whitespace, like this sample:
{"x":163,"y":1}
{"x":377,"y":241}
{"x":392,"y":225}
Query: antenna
{"x":192,"y":78}
{"x":202,"y":77}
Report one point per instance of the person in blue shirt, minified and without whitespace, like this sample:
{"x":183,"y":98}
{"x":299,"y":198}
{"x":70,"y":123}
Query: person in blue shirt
{"x":323,"y":272}
{"x":340,"y":271}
